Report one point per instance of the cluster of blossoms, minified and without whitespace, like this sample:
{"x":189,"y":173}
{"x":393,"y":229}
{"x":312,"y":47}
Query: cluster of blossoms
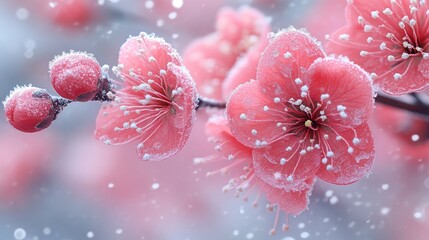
{"x":293,"y":113}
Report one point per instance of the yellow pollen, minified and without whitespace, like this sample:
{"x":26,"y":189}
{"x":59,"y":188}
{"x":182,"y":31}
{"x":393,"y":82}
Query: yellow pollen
{"x":308,"y":123}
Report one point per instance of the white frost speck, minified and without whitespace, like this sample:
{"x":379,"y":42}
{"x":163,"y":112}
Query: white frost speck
{"x":155,"y":186}
{"x":305,"y":235}
{"x":90,"y":234}
{"x":19,"y":234}
{"x":47,"y":231}
{"x":418,"y":215}
{"x":250,"y":236}
{"x":384,"y":211}
{"x":333,"y":200}
{"x":149,"y":4}
{"x":177,"y":3}
{"x":415,"y":137}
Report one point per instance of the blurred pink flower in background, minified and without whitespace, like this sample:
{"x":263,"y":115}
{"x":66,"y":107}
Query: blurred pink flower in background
{"x":24,"y":160}
{"x":156,"y":104}
{"x":69,"y":13}
{"x":332,"y":13}
{"x":389,"y":39}
{"x":221,"y":61}
{"x":409,"y":131}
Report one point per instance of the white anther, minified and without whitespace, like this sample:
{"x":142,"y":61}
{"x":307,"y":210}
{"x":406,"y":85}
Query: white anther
{"x":344,"y":37}
{"x":324,"y":160}
{"x":397,"y":76}
{"x":324,"y":96}
{"x":367,"y":28}
{"x":341,"y":108}
{"x":356,"y":141}
{"x":388,"y":12}
{"x":287,"y":55}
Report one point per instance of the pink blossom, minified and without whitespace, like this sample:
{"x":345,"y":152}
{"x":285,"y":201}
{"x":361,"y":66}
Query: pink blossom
{"x":407,"y":131}
{"x":156,"y":103}
{"x":241,"y":167}
{"x":388,"y":39}
{"x":305,"y":114}
{"x":221,"y":61}
{"x":24,"y":161}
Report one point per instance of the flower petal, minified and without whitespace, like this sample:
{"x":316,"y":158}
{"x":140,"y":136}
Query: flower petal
{"x":348,"y":86}
{"x":287,"y":57}
{"x":208,"y":64}
{"x":274,"y":165}
{"x":350,"y":167}
{"x":110,"y":117}
{"x":245,"y":68}
{"x":289,"y":201}
{"x":253,"y":117}
{"x":349,"y":41}
{"x":146,"y":56}
{"x":185,"y":97}
{"x":416,"y":77}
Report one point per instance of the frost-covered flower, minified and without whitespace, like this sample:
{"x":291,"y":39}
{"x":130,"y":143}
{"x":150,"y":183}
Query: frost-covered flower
{"x":221,"y":61}
{"x":305,"y":114}
{"x":156,"y":103}
{"x":239,"y":165}
{"x":388,"y":38}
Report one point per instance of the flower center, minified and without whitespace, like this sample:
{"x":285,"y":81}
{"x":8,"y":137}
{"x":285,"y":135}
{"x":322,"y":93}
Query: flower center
{"x":313,"y":125}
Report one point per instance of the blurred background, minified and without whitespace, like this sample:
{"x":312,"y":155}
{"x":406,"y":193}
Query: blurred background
{"x":63,"y":184}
